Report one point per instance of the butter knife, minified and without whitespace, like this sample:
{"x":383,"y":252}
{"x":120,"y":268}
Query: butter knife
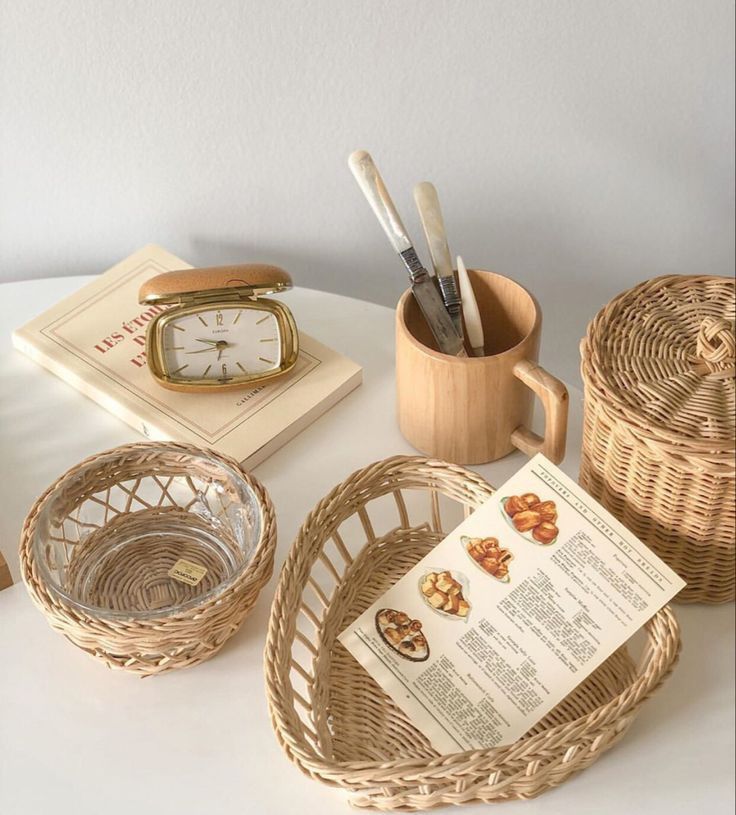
{"x":423,"y":287}
{"x":428,"y":204}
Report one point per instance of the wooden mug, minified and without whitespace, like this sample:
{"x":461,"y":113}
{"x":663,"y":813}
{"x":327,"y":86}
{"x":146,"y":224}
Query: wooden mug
{"x":472,"y":410}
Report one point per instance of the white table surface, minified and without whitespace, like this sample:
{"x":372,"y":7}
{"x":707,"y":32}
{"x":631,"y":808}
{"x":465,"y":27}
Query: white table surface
{"x":78,"y":739}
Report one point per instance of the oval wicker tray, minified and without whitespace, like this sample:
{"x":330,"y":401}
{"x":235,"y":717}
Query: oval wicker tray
{"x":334,"y":721}
{"x":132,"y":484}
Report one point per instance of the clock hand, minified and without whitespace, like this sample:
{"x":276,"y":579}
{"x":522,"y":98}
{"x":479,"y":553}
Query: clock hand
{"x":217,"y":345}
{"x":221,"y":346}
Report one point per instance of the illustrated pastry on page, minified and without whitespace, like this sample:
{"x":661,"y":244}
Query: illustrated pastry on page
{"x":528,"y":514}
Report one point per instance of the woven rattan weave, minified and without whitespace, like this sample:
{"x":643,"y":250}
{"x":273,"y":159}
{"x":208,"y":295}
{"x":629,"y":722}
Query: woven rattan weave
{"x":336,"y":723}
{"x":658,"y":440}
{"x":97,"y":547}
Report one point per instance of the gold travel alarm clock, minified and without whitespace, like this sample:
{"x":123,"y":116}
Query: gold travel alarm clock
{"x":219,"y":332}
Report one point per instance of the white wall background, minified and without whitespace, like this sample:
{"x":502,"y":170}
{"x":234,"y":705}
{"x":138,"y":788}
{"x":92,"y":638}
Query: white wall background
{"x":577,"y":146}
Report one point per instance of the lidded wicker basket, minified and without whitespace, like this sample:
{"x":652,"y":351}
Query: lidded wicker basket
{"x":101,"y":553}
{"x":659,"y":435}
{"x":338,"y":726}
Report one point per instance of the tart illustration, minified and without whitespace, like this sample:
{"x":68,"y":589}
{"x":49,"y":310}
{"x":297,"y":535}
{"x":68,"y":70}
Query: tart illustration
{"x":489,"y":556}
{"x":402,"y":634}
{"x":446,"y":593}
{"x":534,"y":519}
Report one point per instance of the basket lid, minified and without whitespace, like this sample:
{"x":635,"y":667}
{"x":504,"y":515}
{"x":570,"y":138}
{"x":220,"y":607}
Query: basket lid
{"x":662,"y":355}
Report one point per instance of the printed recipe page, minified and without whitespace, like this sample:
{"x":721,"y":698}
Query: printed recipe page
{"x":510,"y":612}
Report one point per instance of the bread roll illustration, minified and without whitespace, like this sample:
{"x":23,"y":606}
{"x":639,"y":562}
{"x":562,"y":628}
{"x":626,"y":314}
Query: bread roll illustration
{"x":546,"y":532}
{"x":546,"y":509}
{"x":524,"y":521}
{"x":514,"y":505}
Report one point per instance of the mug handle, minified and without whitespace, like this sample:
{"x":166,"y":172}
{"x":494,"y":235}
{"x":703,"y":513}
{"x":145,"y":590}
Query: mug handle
{"x":554,"y":398}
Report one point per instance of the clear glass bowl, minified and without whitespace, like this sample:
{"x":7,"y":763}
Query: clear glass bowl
{"x":110,"y":531}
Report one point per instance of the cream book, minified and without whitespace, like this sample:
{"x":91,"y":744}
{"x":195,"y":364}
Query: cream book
{"x":95,"y":340}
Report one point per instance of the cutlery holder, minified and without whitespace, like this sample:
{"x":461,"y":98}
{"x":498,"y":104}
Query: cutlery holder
{"x":471,"y":410}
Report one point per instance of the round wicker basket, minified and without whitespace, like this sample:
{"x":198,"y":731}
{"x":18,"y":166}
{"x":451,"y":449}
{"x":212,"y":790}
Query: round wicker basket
{"x":335,"y":722}
{"x":97,"y":548}
{"x":659,"y":448}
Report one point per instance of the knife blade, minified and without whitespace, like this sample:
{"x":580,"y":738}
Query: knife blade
{"x":423,"y":287}
{"x":430,"y":213}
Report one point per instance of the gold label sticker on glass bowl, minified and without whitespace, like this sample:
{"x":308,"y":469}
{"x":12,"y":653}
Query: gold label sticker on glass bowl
{"x":187,"y":572}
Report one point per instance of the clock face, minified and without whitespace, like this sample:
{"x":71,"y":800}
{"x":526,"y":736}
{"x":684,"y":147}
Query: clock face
{"x":221,"y":345}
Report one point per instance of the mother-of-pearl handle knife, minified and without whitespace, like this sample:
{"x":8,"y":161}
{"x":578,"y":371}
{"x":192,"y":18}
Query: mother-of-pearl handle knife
{"x":428,"y":204}
{"x":423,"y":287}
